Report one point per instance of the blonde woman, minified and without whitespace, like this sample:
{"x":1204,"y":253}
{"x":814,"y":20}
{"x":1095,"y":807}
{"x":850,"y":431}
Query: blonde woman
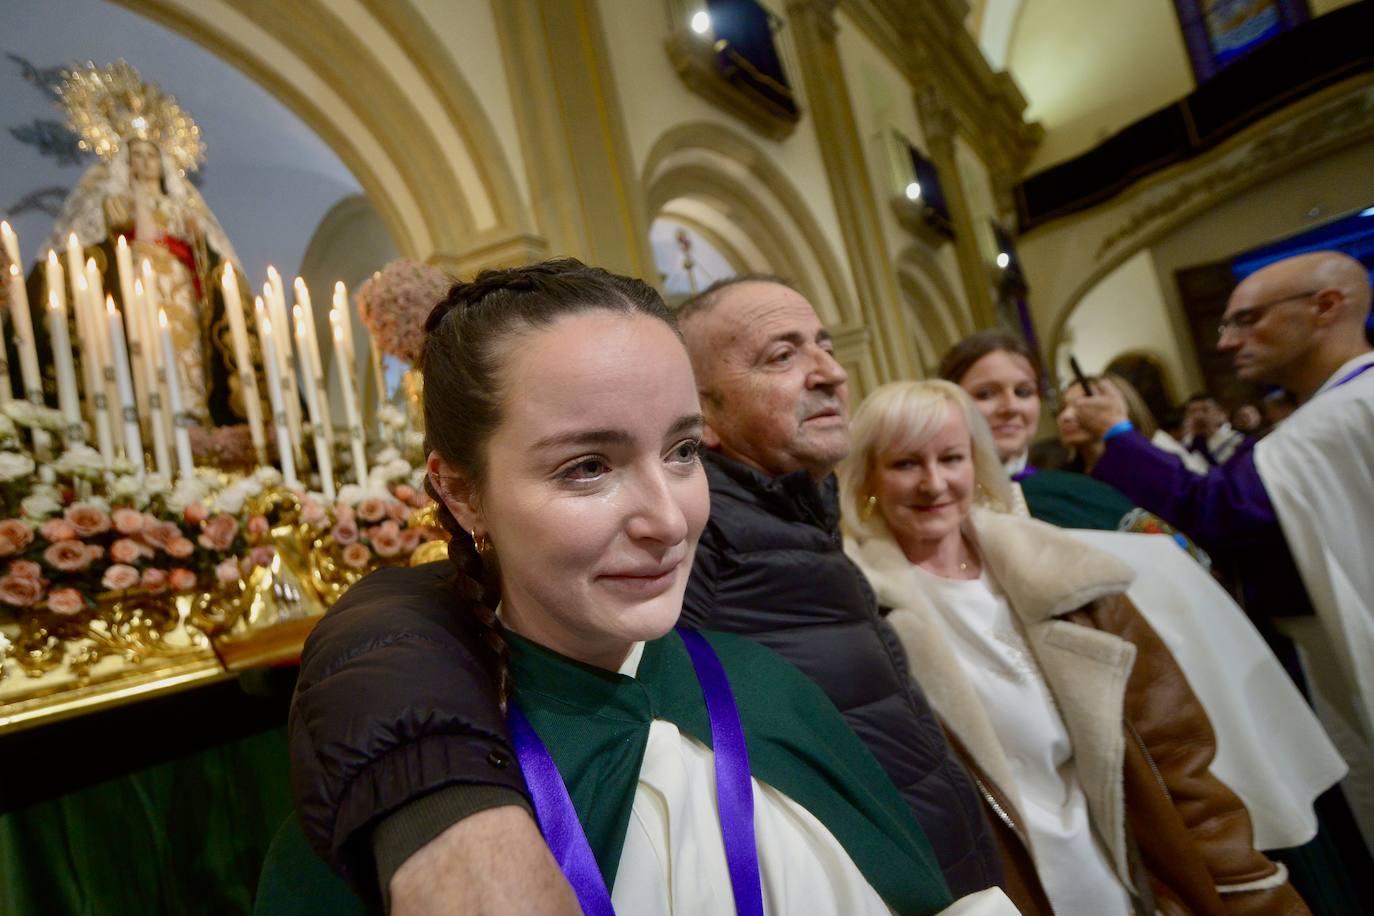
{"x":1090,"y":749}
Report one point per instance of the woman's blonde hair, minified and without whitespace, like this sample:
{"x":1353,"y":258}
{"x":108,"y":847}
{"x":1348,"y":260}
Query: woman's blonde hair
{"x":1137,"y":411}
{"x":907,"y":415}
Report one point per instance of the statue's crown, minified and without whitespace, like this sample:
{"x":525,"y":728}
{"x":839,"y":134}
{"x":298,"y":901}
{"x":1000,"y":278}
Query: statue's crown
{"x":110,"y":106}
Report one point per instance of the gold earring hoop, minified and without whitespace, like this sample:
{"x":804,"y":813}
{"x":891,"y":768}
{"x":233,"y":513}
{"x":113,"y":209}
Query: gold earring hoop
{"x":869,"y":506}
{"x":482,"y":543}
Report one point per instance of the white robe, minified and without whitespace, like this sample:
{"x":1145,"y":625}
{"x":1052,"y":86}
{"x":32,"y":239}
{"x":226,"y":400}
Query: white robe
{"x":1318,"y":469}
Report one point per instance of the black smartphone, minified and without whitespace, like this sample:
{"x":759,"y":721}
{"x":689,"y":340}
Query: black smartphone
{"x":1079,"y":377}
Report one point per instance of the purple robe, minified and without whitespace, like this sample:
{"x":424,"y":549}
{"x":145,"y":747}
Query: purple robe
{"x":1227,"y":512}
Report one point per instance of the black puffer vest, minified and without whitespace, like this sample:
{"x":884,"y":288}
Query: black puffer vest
{"x":771,"y":566}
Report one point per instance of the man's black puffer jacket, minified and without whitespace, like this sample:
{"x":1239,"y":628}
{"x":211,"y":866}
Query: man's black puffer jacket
{"x":771,"y":566}
{"x":392,"y":704}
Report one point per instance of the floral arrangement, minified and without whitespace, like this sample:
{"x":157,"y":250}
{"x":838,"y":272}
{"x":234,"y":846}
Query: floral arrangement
{"x":395,"y":302}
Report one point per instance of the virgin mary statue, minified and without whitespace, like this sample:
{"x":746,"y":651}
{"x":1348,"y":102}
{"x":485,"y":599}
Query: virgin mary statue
{"x":146,"y":145}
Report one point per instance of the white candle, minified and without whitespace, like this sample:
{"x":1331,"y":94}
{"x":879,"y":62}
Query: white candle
{"x":355,"y":423}
{"x":90,"y":368}
{"x":133,"y":314}
{"x":317,"y":417}
{"x":152,"y":305}
{"x":133,"y":440}
{"x":289,"y":360}
{"x":341,"y":304}
{"x":311,"y":349}
{"x":96,"y":321}
{"x":147,"y":367}
{"x":28,"y":354}
{"x":68,"y":395}
{"x":75,"y":261}
{"x":248,"y":380}
{"x":180,"y":421}
{"x":11,"y":240}
{"x":285,"y":445}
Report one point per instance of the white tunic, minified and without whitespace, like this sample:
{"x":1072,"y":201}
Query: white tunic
{"x":673,"y":860}
{"x":1073,"y":866}
{"x":1318,"y":469}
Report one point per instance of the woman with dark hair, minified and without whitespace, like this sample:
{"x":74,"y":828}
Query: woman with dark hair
{"x":670,"y":770}
{"x":1004,"y":377}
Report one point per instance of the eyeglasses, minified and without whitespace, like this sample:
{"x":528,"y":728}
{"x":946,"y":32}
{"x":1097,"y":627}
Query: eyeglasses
{"x":1245,"y":319}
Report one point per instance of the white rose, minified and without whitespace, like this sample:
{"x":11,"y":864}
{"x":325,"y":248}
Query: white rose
{"x":40,"y":505}
{"x":80,"y":461}
{"x":350,"y":494}
{"x":21,"y":412}
{"x":50,"y":418}
{"x":267,"y":476}
{"x":391,"y":415}
{"x":386,"y":456}
{"x":157,"y":485}
{"x":14,"y":465}
{"x":7,"y":427}
{"x":230,"y":500}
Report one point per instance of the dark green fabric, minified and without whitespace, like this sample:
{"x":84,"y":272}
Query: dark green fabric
{"x":296,"y":882}
{"x":595,"y":724}
{"x":403,"y":832}
{"x":187,"y":836}
{"x":1069,"y":500}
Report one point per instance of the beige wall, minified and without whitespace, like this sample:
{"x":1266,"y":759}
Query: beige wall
{"x":1128,"y":312}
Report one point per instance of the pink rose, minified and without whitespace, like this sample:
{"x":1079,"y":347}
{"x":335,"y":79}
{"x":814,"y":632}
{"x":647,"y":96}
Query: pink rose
{"x":257,"y":526}
{"x":356,"y":555}
{"x":182,"y":579}
{"x":127,"y":521}
{"x":14,"y":536}
{"x":87,"y":520}
{"x":154,"y":580}
{"x":26,"y":569}
{"x":404,"y":492}
{"x":69,"y":556}
{"x":262,"y":555}
{"x":344,"y":533}
{"x":372,"y":509}
{"x":160,"y":534}
{"x":343,"y":513}
{"x":20,"y":591}
{"x":227,"y":571}
{"x":421,"y":500}
{"x":410,"y":539}
{"x":127,"y":550}
{"x":386,"y":539}
{"x":94,"y":552}
{"x":219,"y":532}
{"x":181,"y":548}
{"x":57,"y":529}
{"x":398,"y":511}
{"x":120,"y":578}
{"x":195,"y":513}
{"x":66,"y":602}
{"x":313,"y":514}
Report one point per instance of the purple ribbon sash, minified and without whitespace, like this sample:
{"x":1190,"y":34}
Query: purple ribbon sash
{"x":557,"y":817}
{"x":1352,"y":375}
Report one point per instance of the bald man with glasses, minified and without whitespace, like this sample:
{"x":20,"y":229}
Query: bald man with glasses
{"x":1295,"y":515}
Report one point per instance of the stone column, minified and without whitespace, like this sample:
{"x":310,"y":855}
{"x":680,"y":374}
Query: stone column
{"x":940,"y":125}
{"x":585,"y":193}
{"x":829,"y":106}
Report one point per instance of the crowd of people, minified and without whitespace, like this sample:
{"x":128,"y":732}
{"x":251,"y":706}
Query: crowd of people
{"x":708,"y":643}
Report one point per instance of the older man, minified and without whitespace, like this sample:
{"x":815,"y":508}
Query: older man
{"x":769,"y":566}
{"x":1304,"y":496}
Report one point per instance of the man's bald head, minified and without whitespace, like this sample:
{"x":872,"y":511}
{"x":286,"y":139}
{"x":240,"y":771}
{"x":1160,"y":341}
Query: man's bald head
{"x":772,"y":392}
{"x":1296,"y":320}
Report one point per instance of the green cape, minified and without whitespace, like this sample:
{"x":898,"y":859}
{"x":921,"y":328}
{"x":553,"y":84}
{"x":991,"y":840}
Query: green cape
{"x":595,"y":724}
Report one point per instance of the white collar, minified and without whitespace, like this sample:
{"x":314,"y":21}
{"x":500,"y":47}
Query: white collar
{"x":1345,"y":370}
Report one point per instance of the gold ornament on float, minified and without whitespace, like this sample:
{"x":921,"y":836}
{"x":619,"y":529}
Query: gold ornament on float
{"x":109,"y":106}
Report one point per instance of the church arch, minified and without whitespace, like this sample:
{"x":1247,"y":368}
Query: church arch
{"x":423,"y":149}
{"x":735,"y":190}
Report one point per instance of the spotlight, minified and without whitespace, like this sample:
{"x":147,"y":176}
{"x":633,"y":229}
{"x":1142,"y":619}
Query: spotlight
{"x":913,"y":191}
{"x":1003,"y":259}
{"x":701,"y":22}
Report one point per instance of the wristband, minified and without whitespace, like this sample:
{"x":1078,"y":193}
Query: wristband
{"x":1124,"y":426}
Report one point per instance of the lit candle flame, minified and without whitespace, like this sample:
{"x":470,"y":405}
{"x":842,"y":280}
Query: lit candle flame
{"x":138,"y":287}
{"x":266,"y":327}
{"x":162,"y":317}
{"x":109,"y":307}
{"x":52,"y":301}
{"x":257,"y":305}
{"x":122,"y":243}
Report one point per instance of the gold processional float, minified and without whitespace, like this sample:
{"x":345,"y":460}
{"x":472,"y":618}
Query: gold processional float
{"x":165,"y":524}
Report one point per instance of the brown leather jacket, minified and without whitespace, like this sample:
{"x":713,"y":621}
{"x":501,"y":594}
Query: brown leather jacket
{"x":1175,"y":833}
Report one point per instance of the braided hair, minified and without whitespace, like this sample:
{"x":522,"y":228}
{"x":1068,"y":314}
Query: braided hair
{"x":468,"y":337}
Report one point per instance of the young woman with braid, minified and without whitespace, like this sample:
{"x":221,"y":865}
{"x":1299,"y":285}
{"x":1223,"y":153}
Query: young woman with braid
{"x":670,"y":770}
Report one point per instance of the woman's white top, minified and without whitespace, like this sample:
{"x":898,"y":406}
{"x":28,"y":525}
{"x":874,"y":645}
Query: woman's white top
{"x":673,"y":860}
{"x":984,"y":634}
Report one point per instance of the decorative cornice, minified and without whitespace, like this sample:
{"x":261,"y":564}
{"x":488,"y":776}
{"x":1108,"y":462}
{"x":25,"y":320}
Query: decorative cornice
{"x":694,"y":61}
{"x":929,"y":43}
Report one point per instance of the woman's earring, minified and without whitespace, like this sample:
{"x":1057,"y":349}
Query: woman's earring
{"x":870,"y":504}
{"x":482,"y":543}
